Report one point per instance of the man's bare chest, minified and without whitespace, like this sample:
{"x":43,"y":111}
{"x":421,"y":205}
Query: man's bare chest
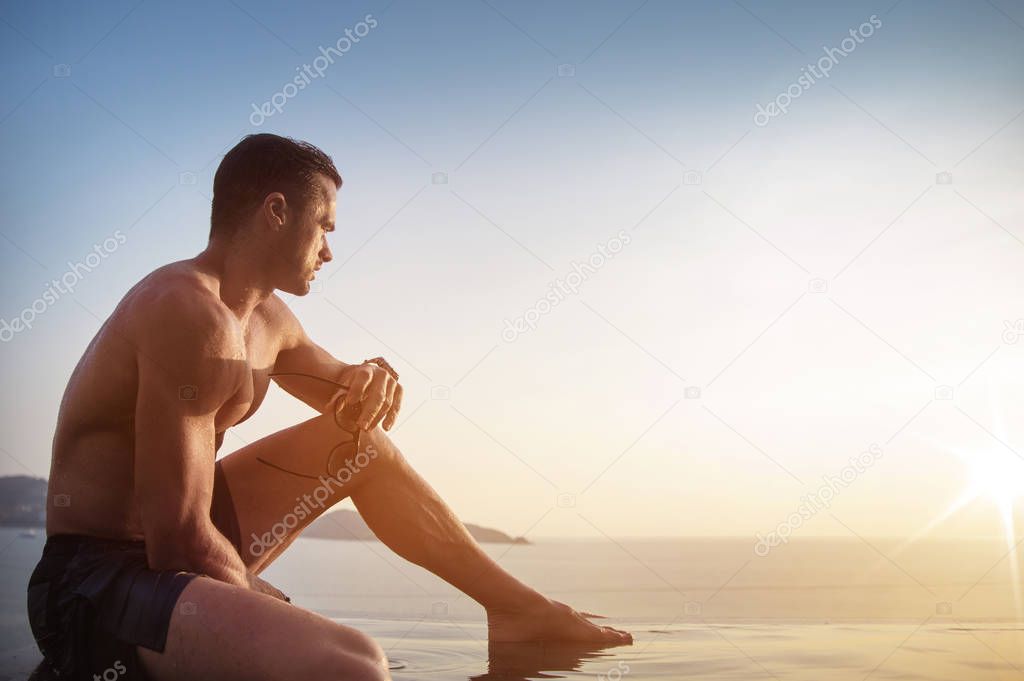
{"x":262,"y":347}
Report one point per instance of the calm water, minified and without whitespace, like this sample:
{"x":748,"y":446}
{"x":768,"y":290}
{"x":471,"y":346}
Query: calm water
{"x":698,"y":609}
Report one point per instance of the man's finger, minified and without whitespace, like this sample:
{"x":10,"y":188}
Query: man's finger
{"x":396,"y":405}
{"x":389,"y":399}
{"x":261,"y":585}
{"x":356,"y":389}
{"x":374,"y":399}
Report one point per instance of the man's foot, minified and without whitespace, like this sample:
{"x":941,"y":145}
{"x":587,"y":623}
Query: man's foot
{"x":551,"y":621}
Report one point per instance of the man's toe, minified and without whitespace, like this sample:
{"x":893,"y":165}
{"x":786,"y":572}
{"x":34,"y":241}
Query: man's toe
{"x":616,"y":636}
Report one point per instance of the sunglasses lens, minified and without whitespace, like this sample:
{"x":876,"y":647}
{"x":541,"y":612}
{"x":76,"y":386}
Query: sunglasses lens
{"x":341,"y":455}
{"x":347,"y":418}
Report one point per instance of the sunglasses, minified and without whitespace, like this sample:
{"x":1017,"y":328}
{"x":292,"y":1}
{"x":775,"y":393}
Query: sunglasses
{"x":343,"y":452}
{"x":346,"y":420}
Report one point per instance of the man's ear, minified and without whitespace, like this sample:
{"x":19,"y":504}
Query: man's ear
{"x":275,"y":210}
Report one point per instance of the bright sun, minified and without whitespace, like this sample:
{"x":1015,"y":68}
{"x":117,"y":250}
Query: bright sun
{"x":996,"y":475}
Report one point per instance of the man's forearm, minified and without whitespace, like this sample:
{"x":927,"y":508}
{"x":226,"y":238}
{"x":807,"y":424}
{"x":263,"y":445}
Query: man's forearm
{"x":216,"y":557}
{"x":316,"y":383}
{"x":203,"y":550}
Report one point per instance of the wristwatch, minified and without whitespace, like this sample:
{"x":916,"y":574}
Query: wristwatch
{"x":383,"y":364}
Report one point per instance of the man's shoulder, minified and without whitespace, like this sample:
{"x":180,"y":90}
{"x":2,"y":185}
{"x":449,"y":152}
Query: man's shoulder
{"x":177,"y":302}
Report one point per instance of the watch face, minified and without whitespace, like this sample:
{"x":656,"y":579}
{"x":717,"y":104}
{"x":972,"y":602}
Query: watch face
{"x":383,"y":364}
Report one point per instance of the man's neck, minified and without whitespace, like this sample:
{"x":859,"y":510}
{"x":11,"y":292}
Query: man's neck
{"x":242,"y":286}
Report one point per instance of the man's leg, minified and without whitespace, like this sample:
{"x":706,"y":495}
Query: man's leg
{"x":282,"y":483}
{"x":226,"y":633}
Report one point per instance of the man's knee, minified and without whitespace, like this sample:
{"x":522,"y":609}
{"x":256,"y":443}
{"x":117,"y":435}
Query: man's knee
{"x":379,"y":447}
{"x":350,"y":654}
{"x":375,"y":454}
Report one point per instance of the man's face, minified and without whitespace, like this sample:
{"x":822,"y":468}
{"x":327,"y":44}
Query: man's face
{"x":305,"y":241}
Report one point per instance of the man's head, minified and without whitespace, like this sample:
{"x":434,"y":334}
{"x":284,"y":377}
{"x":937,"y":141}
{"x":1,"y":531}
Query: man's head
{"x":277,"y":195}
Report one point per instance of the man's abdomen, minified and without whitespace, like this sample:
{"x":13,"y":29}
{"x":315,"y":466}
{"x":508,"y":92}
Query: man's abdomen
{"x":91,"y":488}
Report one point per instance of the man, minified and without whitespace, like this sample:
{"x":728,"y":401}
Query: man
{"x":153,"y":550}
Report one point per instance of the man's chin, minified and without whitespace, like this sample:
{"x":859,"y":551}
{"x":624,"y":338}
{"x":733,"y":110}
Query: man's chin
{"x":299,"y":288}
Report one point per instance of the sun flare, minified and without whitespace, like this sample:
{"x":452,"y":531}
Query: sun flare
{"x":996,"y":475}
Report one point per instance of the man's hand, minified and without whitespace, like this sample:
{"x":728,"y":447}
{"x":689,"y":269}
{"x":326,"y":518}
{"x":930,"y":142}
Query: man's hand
{"x":378,"y":395}
{"x":265,"y":587}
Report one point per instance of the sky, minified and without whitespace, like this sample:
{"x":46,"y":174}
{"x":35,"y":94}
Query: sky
{"x":641,"y":274}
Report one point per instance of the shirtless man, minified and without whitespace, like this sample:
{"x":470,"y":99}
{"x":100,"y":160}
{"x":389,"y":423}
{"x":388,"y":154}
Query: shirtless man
{"x":153,"y":549}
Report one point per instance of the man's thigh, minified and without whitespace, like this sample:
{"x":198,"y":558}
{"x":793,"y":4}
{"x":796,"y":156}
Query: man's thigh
{"x":268,"y":491}
{"x":223,"y":632}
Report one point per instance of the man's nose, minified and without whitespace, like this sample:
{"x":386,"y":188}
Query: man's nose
{"x":325,"y":253}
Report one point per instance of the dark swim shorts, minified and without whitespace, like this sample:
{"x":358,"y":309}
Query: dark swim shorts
{"x":92,"y":600}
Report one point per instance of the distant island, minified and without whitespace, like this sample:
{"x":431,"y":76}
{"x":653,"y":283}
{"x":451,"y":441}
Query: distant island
{"x":346,"y":524}
{"x":23,"y":504}
{"x":22,"y":501}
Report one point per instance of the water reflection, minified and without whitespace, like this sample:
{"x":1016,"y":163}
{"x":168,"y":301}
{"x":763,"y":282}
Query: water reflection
{"x":538,"y":660}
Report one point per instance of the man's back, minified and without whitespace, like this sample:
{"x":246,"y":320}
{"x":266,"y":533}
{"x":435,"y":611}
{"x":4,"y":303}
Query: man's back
{"x":91,"y":475}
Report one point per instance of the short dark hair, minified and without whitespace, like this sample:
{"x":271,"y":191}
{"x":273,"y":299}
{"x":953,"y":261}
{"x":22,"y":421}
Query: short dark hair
{"x":261,"y":164}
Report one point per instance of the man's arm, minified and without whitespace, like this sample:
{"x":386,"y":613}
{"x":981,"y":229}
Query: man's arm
{"x":310,"y":373}
{"x":189,"y":366}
